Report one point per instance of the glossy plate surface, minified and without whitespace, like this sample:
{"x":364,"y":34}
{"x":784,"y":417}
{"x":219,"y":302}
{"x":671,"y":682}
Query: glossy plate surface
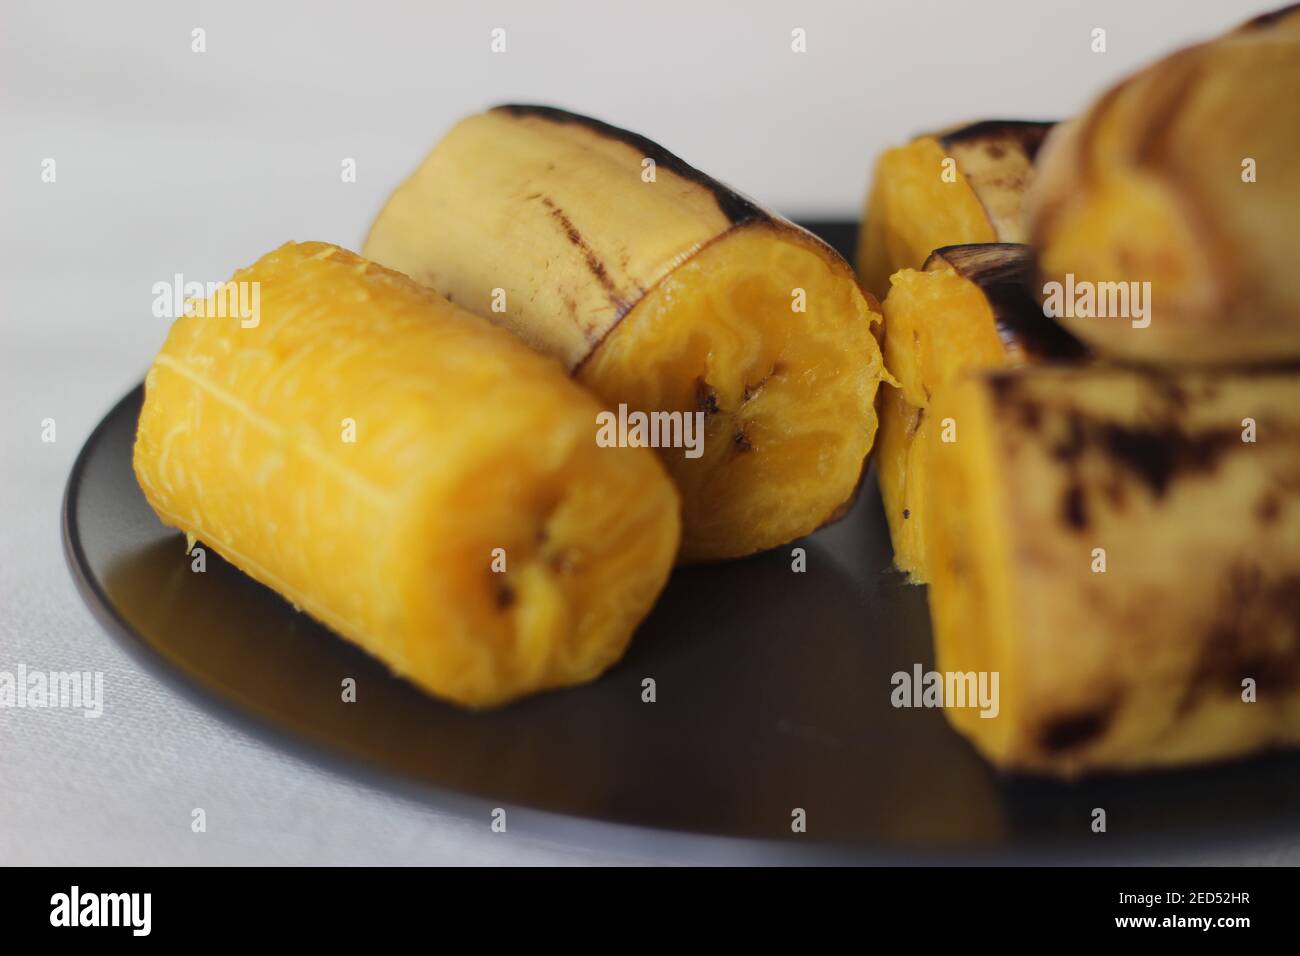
{"x":772,"y":694}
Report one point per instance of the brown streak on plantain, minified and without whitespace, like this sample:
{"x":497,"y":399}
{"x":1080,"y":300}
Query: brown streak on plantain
{"x":739,"y":211}
{"x":1075,"y":730}
{"x":1230,"y":650}
{"x":589,"y":257}
{"x":1074,"y":507}
{"x":734,"y":206}
{"x":1155,"y":454}
{"x":1158,"y":454}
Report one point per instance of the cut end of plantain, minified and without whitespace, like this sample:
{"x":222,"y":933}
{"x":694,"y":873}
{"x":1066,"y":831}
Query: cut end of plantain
{"x":968,"y":309}
{"x":665,"y":292}
{"x":408,"y":474}
{"x":769,"y":343}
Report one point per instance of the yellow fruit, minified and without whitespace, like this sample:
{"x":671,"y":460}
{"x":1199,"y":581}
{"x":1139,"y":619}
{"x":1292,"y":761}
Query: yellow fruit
{"x":963,"y":185}
{"x":664,"y":291}
{"x":1107,"y":542}
{"x":407,"y":474}
{"x":968,"y":309}
{"x":1178,"y":185}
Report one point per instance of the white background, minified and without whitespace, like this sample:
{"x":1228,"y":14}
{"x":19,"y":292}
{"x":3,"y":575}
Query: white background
{"x":171,"y":161}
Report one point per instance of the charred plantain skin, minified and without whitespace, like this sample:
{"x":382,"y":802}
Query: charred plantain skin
{"x":1283,"y":18}
{"x":469,"y":533}
{"x":1152,"y":185}
{"x":997,"y":159}
{"x":661,"y":289}
{"x":1134,"y":655}
{"x":969,"y":308}
{"x":913,"y":209}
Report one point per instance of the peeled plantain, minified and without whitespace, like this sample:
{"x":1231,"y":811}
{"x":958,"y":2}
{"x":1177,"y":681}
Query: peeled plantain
{"x":967,"y":309}
{"x":1179,"y":185}
{"x":409,"y":475}
{"x":1123,"y":548}
{"x":666,"y":292}
{"x":962,"y":185}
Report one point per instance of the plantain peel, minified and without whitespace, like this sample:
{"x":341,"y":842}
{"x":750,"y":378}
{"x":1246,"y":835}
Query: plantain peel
{"x":1179,"y":185}
{"x":958,"y":186}
{"x":664,"y":291}
{"x":1123,"y":548}
{"x":968,"y":308}
{"x":409,"y":475}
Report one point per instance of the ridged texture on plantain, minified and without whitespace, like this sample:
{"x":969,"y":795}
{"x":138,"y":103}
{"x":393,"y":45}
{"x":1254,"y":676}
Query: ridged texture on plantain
{"x":464,"y":441}
{"x":969,"y":308}
{"x":917,"y":204}
{"x":1150,"y":186}
{"x":662,"y":290}
{"x":1107,"y":542}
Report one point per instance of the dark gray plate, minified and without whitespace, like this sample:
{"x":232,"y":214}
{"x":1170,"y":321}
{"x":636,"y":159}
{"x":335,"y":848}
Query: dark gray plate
{"x":773,"y":694}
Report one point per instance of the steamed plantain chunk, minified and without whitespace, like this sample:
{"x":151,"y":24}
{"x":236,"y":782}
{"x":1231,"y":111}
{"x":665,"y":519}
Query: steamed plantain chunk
{"x":959,"y":186}
{"x":967,"y":309}
{"x":1123,"y":548}
{"x":409,"y":475}
{"x":662,"y":290}
{"x":1180,"y":184}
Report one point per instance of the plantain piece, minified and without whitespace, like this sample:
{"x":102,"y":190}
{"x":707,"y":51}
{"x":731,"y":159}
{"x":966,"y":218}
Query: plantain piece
{"x":969,"y":308}
{"x":365,"y":447}
{"x":1123,"y":549}
{"x":1282,"y":19}
{"x":1179,"y":185}
{"x":919,"y":203}
{"x":662,"y":290}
